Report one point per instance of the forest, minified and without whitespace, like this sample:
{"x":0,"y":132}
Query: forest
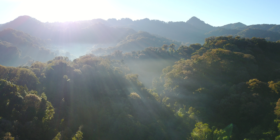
{"x":144,"y":86}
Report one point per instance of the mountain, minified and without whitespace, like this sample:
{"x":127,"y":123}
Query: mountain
{"x":268,"y":35}
{"x":247,"y":33}
{"x":19,"y":37}
{"x":222,"y":32}
{"x":19,"y":48}
{"x":193,"y":30}
{"x":26,"y":24}
{"x":267,"y":27}
{"x":136,"y":42}
{"x":68,"y":32}
{"x":275,"y":28}
{"x":199,"y":24}
{"x":9,"y":54}
{"x":234,"y":25}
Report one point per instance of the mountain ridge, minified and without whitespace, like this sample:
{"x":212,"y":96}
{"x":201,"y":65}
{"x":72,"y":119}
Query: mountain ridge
{"x":193,"y":30}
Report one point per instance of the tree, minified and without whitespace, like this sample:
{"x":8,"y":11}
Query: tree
{"x":3,"y":72}
{"x":201,"y":131}
{"x":275,"y":87}
{"x":8,"y":136}
{"x":164,"y":47}
{"x":172,"y":48}
{"x":277,"y":108}
{"x":10,"y":99}
{"x":26,"y":77}
{"x":78,"y":135}
{"x":57,"y":137}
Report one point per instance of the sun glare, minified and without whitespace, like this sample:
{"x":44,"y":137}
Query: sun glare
{"x":68,"y":10}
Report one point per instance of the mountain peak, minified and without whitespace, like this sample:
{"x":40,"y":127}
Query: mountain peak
{"x":23,"y":17}
{"x":26,"y":18}
{"x":23,"y":23}
{"x":201,"y":25}
{"x":195,"y":20}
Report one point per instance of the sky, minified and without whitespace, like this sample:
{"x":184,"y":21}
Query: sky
{"x":213,"y":12}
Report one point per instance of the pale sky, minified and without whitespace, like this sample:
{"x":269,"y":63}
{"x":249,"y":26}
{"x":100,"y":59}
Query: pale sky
{"x":213,"y":12}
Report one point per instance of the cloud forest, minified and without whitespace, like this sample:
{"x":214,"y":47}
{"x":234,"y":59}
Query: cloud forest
{"x":139,"y":80}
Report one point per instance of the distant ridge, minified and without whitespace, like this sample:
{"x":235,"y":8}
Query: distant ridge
{"x":26,"y":24}
{"x":22,"y":22}
{"x":234,"y":25}
{"x":66,"y":32}
{"x":193,"y":30}
{"x":194,"y":21}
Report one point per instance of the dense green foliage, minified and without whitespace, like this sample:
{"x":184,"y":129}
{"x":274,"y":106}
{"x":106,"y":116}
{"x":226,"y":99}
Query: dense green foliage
{"x":24,"y":113}
{"x":230,"y":83}
{"x":227,"y":81}
{"x":93,"y":95}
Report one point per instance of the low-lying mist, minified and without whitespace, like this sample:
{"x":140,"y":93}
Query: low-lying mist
{"x":148,"y":69}
{"x":75,"y":50}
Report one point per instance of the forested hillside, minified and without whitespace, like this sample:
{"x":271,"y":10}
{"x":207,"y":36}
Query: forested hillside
{"x":226,"y":88}
{"x":60,"y":98}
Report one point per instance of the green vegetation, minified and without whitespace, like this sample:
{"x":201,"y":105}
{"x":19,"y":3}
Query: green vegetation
{"x":227,"y":81}
{"x":91,"y":95}
{"x":228,"y":88}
